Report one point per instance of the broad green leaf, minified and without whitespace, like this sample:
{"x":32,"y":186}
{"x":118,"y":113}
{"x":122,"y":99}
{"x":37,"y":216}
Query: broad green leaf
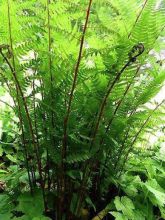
{"x":119,"y":216}
{"x":157,"y":193}
{"x":125,"y":205}
{"x":31,"y":205}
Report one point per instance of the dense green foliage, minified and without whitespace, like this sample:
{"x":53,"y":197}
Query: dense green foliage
{"x":80,"y":74}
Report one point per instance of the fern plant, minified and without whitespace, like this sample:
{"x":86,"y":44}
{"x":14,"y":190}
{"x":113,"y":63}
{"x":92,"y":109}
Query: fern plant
{"x":80,"y":74}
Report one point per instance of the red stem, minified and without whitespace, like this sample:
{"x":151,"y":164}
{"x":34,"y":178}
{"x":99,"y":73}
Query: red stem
{"x":138,"y":17}
{"x":74,"y":82}
{"x":138,"y":133}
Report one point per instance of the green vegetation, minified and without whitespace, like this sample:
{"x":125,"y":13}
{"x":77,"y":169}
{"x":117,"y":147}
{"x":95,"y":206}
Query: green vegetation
{"x":82,"y":76}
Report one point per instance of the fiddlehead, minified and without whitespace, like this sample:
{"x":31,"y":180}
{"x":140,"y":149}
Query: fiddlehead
{"x":8,"y":50}
{"x":136,"y":51}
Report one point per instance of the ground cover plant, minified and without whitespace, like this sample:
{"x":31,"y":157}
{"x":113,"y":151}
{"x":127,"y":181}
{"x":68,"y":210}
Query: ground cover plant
{"x":82,"y":76}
